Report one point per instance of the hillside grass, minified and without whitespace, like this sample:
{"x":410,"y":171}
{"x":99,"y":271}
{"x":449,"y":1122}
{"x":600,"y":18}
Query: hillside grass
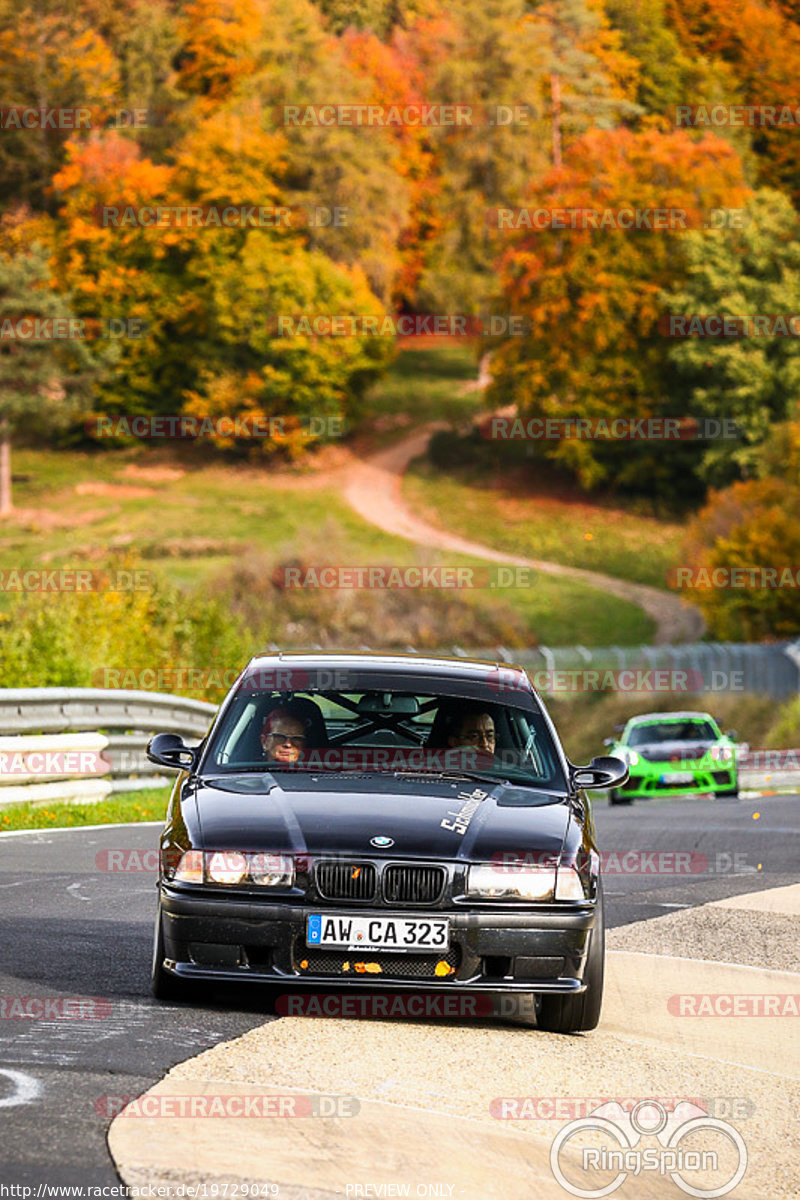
{"x":423,"y":385}
{"x":514,"y":511}
{"x":196,"y":519}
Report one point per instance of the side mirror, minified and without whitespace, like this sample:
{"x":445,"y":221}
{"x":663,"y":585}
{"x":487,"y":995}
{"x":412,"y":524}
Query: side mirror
{"x":609,"y":741}
{"x":170,"y":750}
{"x":732,"y":734}
{"x":603,"y":772}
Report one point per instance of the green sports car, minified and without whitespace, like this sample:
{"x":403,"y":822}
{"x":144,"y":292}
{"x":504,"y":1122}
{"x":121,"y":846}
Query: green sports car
{"x":675,"y":754}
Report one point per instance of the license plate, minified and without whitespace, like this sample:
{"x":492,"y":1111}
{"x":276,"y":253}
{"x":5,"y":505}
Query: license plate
{"x":678,"y":777}
{"x":397,"y":934}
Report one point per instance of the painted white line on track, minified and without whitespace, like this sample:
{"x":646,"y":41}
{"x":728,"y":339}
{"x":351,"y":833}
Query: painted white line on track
{"x":711,"y":962}
{"x":725,"y":1062}
{"x":26,"y":1088}
{"x":75,"y":894}
{"x":79,"y":828}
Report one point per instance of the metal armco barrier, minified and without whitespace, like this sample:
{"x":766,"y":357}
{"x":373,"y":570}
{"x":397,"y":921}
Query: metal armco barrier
{"x":770,"y":669}
{"x":120,"y":722}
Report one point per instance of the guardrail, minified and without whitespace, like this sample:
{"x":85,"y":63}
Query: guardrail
{"x":115,"y":724}
{"x":768,"y":770}
{"x":769,"y":669}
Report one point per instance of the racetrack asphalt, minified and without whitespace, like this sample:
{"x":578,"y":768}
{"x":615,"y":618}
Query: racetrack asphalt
{"x":69,"y":929}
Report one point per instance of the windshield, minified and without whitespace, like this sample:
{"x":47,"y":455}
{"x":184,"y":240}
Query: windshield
{"x":387,"y":730}
{"x":672,"y":731}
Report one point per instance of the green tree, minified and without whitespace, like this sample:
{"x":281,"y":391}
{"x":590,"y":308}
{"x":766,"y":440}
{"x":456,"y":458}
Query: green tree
{"x":42,"y":377}
{"x":753,"y":380}
{"x":377,"y":15}
{"x":252,"y":367}
{"x":669,"y":73}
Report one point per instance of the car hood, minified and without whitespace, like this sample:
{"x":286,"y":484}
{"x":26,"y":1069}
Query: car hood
{"x":683,"y":751}
{"x":424,"y":819}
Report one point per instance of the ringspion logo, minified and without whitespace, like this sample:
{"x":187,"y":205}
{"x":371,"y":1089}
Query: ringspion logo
{"x":619,"y":1133}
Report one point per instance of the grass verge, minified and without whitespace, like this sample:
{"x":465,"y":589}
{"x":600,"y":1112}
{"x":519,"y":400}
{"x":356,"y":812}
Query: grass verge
{"x":147,"y":805}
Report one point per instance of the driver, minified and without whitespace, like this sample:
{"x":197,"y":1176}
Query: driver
{"x":473,"y":729}
{"x":283,"y":736}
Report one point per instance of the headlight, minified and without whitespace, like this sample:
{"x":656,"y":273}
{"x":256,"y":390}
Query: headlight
{"x":633,"y":758}
{"x":226,"y":866}
{"x":232,"y":867}
{"x":271,"y":870}
{"x":721,"y":753}
{"x":488,"y":882}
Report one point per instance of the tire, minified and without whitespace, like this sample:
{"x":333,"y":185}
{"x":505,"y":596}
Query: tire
{"x":730,"y":794}
{"x":615,"y":798}
{"x":576,"y":1013}
{"x":164,"y":985}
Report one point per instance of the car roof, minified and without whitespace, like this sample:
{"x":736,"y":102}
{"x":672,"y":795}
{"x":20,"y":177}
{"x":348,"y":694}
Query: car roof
{"x":480,"y":670}
{"x":672,"y":716}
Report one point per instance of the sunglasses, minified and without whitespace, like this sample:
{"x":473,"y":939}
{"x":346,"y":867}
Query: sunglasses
{"x":294,"y":739}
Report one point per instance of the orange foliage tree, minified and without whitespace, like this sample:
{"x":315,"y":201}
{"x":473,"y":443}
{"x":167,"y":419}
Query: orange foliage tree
{"x":761,"y":45}
{"x":591,"y":297}
{"x":750,"y":524}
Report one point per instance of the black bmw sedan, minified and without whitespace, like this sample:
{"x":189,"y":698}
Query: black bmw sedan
{"x":375,"y":821}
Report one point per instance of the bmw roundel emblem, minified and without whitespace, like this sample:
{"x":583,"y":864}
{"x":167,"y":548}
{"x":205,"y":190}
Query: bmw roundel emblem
{"x":381,"y":841}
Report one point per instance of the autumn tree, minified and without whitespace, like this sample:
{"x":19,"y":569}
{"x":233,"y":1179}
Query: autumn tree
{"x":753,"y":524}
{"x":395,"y":74}
{"x":128,"y":272}
{"x":670,"y":72}
{"x":255,"y":363}
{"x":760,"y":44}
{"x":50,"y":59}
{"x":44,"y":372}
{"x":592,"y":296}
{"x":512,"y":54}
{"x":206,"y":295}
{"x":241,"y":63}
{"x":375,"y":16}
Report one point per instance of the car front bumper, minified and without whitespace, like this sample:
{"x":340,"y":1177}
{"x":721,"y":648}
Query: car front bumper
{"x":644,"y":784}
{"x":228,"y":939}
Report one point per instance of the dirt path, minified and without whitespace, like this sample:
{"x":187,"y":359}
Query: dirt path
{"x":373,"y":487}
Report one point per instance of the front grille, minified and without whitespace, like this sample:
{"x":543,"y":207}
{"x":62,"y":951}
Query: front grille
{"x":354,"y":964}
{"x":689,"y":754}
{"x":346,"y":880}
{"x":413,"y":884}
